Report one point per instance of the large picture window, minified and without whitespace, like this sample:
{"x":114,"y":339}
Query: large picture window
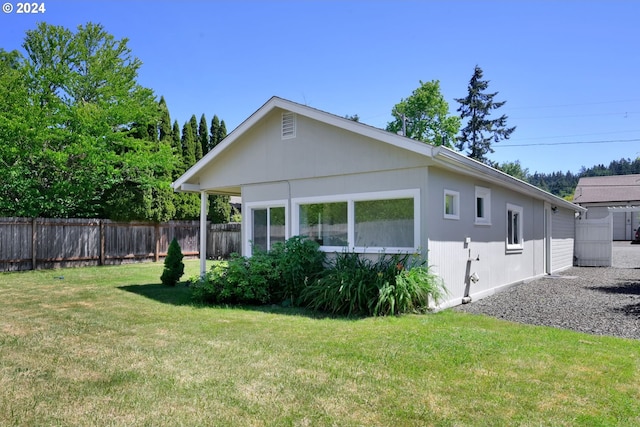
{"x":514,"y":228}
{"x":364,"y":222}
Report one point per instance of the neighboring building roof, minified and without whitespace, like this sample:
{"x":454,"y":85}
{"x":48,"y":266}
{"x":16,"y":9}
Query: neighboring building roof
{"x":441,"y":156}
{"x":608,"y":189}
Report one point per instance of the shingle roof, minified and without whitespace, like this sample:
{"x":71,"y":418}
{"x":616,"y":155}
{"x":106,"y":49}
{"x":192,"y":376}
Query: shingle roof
{"x":615,"y":188}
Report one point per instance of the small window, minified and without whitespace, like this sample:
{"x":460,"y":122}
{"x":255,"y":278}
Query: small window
{"x":451,"y":204}
{"x":483,"y":206}
{"x":514,"y":228}
{"x":288,"y":125}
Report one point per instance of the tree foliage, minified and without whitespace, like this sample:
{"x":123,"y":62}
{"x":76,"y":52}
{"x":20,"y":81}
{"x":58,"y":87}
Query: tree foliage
{"x":480,"y":131}
{"x":76,"y":132}
{"x":426,"y":116}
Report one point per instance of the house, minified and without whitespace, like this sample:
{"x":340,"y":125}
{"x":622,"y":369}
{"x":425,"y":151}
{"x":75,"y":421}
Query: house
{"x":350,"y":186}
{"x":618,"y":194}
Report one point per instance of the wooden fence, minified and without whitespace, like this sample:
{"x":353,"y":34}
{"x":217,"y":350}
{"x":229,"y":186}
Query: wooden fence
{"x":40,"y":243}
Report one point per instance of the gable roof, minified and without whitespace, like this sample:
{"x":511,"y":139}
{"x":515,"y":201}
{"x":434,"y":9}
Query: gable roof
{"x":608,"y":189}
{"x":441,"y":156}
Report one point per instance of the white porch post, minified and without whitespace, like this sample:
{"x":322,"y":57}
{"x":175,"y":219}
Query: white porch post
{"x":203,"y":232}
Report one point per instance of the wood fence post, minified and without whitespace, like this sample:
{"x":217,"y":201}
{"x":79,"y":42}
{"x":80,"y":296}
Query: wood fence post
{"x":34,"y":244}
{"x":156,"y":230}
{"x":102,"y":257}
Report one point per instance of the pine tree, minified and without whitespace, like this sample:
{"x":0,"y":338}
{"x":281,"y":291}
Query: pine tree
{"x":215,"y":126}
{"x":480,"y":131}
{"x":203,"y":135}
{"x":173,"y":265}
{"x":188,"y":146}
{"x":165,"y":132}
{"x":193,"y":124}
{"x":219,"y":206}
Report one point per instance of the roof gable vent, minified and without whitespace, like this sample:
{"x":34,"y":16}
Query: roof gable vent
{"x":288,"y":125}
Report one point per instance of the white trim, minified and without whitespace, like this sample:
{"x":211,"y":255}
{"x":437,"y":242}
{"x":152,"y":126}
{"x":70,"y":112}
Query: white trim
{"x":350,"y":199}
{"x":483,"y":193}
{"x":515,"y":247}
{"x":456,"y":204}
{"x":247,"y":220}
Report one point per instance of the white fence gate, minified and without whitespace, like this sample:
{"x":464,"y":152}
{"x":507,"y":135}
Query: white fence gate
{"x":594,"y":242}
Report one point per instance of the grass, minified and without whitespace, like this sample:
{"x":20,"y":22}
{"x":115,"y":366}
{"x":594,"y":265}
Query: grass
{"x":109,"y":346}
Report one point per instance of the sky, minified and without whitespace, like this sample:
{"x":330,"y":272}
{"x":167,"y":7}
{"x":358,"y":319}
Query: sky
{"x":569,"y":71}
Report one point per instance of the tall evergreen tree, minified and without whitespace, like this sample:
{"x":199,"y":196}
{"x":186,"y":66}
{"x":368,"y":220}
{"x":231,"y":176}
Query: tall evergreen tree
{"x":193,"y":124}
{"x":222,"y":132}
{"x":480,"y":131}
{"x":165,"y":132}
{"x":188,"y":146}
{"x":219,"y":206}
{"x":203,"y":135}
{"x":176,"y":145}
{"x":215,"y":126}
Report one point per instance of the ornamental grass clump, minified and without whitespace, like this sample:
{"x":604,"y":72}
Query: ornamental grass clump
{"x":355,"y":285}
{"x":173,"y":265}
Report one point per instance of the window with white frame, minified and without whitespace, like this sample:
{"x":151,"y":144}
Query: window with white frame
{"x":267,"y":225}
{"x":514,"y":228}
{"x":451,"y":204}
{"x":364,"y":222}
{"x":483,"y":206}
{"x":325,"y":223}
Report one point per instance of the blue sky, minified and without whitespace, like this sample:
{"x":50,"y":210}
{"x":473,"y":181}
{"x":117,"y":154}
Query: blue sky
{"x":569,"y":70}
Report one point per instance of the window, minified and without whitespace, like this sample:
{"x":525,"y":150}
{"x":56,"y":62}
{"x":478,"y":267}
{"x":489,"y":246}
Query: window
{"x":325,"y":223}
{"x":514,"y":228}
{"x":365,"y":222}
{"x":288,"y":125}
{"x":267,"y":226}
{"x":451,"y":204}
{"x":384,"y":223}
{"x":483,"y":206}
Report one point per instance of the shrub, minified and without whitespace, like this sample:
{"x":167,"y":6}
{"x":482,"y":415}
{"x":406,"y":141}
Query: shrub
{"x":241,"y":280}
{"x":356,"y":285}
{"x":299,"y":262}
{"x":273,"y":276}
{"x":173,"y":265}
{"x":409,"y":292}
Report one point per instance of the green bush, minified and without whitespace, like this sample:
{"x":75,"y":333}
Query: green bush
{"x":241,"y":280}
{"x":275,"y":276}
{"x":173,"y":265}
{"x":356,"y":285}
{"x":299,"y":262}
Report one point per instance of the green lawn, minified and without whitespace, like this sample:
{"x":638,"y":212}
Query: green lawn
{"x":110,"y":346}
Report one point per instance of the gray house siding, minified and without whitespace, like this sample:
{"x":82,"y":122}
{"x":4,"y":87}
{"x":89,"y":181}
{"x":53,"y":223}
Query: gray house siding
{"x":485,"y":253}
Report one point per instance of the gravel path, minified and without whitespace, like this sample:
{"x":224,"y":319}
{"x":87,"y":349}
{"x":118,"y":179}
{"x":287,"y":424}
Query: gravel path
{"x":601,"y":301}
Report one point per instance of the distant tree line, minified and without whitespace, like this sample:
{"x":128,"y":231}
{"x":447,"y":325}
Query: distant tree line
{"x":79,"y":137}
{"x":563,"y":184}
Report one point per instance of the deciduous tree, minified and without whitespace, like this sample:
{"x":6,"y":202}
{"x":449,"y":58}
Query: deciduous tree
{"x":425,"y":116}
